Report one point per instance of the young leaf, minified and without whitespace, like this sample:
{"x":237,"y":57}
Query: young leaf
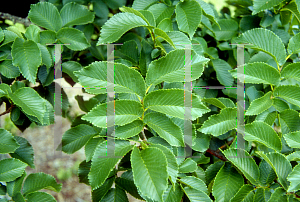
{"x":246,"y":165}
{"x":103,"y":164}
{"x":75,"y":14}
{"x":292,"y":70}
{"x":219,"y":124}
{"x":147,"y":16}
{"x":126,"y":80}
{"x":222,"y":190}
{"x":262,"y":133}
{"x":74,"y":37}
{"x":8,"y":143}
{"x":117,"y":25}
{"x":9,"y":36}
{"x":21,"y":51}
{"x":188,"y":16}
{"x":46,"y":15}
{"x":171,"y":102}
{"x":38,"y":181}
{"x":266,"y":41}
{"x":10,"y":169}
{"x":33,"y":33}
{"x":280,"y":164}
{"x":174,"y":68}
{"x":149,"y":169}
{"x":289,"y":93}
{"x":76,"y":137}
{"x":261,"y":104}
{"x":165,"y":128}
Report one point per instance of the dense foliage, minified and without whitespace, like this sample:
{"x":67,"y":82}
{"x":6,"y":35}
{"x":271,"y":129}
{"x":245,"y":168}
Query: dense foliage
{"x":150,"y":93}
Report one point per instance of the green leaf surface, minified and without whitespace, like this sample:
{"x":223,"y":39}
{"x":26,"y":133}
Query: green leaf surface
{"x":21,"y":53}
{"x":294,"y":178}
{"x":76,"y":137}
{"x":228,"y":29}
{"x":10,"y":169}
{"x":259,"y":105}
{"x":91,"y":146}
{"x":70,"y":67}
{"x":74,"y":37}
{"x":103,"y":164}
{"x":171,"y":102}
{"x":30,"y":102}
{"x":8,"y":143}
{"x":293,"y":46}
{"x":24,"y":152}
{"x":161,"y":11}
{"x":219,"y":124}
{"x":117,"y":25}
{"x":245,"y":194}
{"x":75,"y":14}
{"x":227,"y":182}
{"x":188,"y":166}
{"x":33,"y":33}
{"x":9,"y":36}
{"x":291,"y":71}
{"x":171,"y":195}
{"x":293,"y":139}
{"x":295,"y":156}
{"x":194,"y":183}
{"x":1,"y":35}
{"x":262,"y":133}
{"x":188,"y":16}
{"x":14,"y":187}
{"x":289,"y":93}
{"x":173,"y":70}
{"x":40,"y":197}
{"x":280,"y":165}
{"x":165,"y":128}
{"x":129,"y":130}
{"x":289,"y":121}
{"x":150,"y":175}
{"x":147,"y":16}
{"x":266,"y":41}
{"x":246,"y":165}
{"x":260,"y":5}
{"x":46,"y":15}
{"x":126,"y":80}
{"x":267,"y":174}
{"x":195,"y":195}
{"x":46,"y":56}
{"x":47,"y":37}
{"x":143,"y":4}
{"x":221,"y":67}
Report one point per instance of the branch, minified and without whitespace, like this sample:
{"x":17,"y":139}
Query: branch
{"x":8,"y":110}
{"x":7,"y":16}
{"x":214,"y":153}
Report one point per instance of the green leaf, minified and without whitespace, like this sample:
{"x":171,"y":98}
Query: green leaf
{"x":260,"y":5}
{"x":165,"y":25}
{"x":100,"y":9}
{"x":291,"y":71}
{"x":277,"y":195}
{"x":129,"y":130}
{"x":280,"y":105}
{"x":165,"y":128}
{"x":171,"y":102}
{"x":14,"y":187}
{"x":99,"y":193}
{"x":227,"y":182}
{"x":91,"y":146}
{"x":116,"y":194}
{"x":293,"y":139}
{"x":4,"y":89}
{"x":161,"y":34}
{"x":115,"y":4}
{"x":33,"y":33}
{"x":126,"y":111}
{"x":219,"y":124}
{"x":147,"y":16}
{"x":221,"y":67}
{"x":24,"y":152}
{"x":294,"y":178}
{"x":188,"y":16}
{"x":244,"y":194}
{"x":10,"y":169}
{"x":1,"y":35}
{"x":295,"y":156}
{"x":40,"y":197}
{"x":161,"y":11}
{"x":289,"y":93}
{"x":262,"y":194}
{"x":21,"y":52}
{"x":70,"y":67}
{"x":261,"y":104}
{"x":74,"y":37}
{"x":103,"y":164}
{"x":246,"y":165}
{"x":280,"y":165}
{"x":293,"y":46}
{"x":117,"y":25}
{"x":46,"y":15}
{"x":194,"y":183}
{"x":9,"y":36}
{"x":289,"y":121}
{"x":179,"y":39}
{"x":143,"y":4}
{"x":38,"y":181}
{"x":75,"y":14}
{"x":126,"y":80}
{"x":195,"y":195}
{"x":291,"y":7}
{"x":172,"y":166}
{"x":47,"y":36}
{"x":262,"y":133}
{"x":8,"y":143}
{"x":266,"y":41}
{"x":267,"y":174}
{"x":227,"y":30}
{"x":208,"y":11}
{"x":76,"y":137}
{"x":171,"y":195}
{"x":258,"y":72}
{"x":188,"y":166}
{"x":29,"y":101}
{"x":149,"y":169}
{"x":46,"y":56}
{"x":174,"y":68}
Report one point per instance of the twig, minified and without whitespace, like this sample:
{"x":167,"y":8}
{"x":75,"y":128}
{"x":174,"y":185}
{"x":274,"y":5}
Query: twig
{"x":214,"y":153}
{"x":7,"y":16}
{"x":8,"y":110}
